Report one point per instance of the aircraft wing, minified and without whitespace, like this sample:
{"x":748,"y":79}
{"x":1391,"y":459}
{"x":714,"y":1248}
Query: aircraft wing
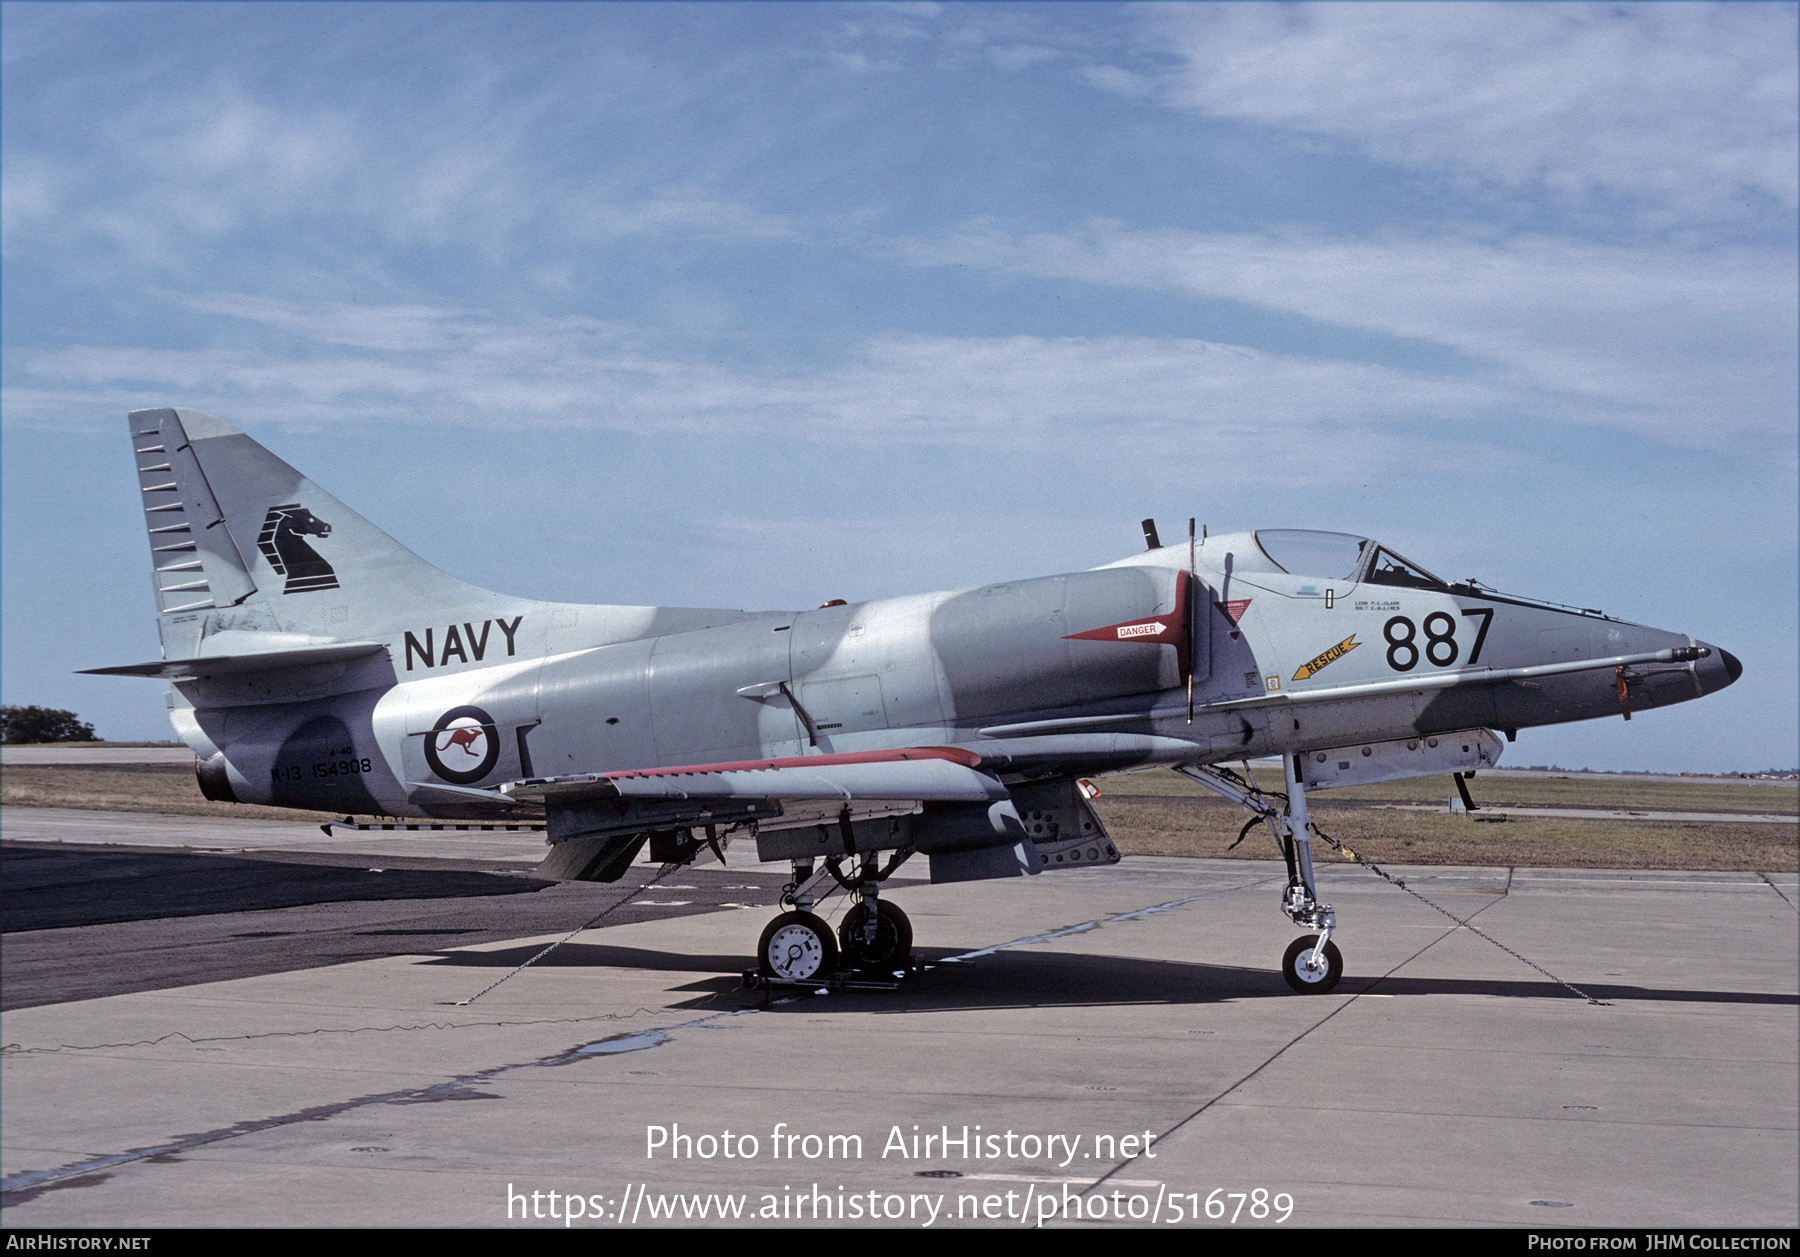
{"x":913,"y":775}
{"x":597,"y":822}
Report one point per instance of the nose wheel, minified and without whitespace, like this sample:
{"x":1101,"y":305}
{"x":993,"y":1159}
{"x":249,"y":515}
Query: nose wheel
{"x":1309,"y":968}
{"x":797,"y":947}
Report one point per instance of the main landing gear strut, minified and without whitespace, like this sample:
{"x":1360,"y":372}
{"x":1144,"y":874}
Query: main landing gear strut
{"x":1312,"y":964}
{"x":874,"y":937}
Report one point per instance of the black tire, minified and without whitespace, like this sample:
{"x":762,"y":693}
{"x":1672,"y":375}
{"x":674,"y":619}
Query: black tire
{"x":797,"y":947}
{"x":893,"y":937}
{"x":1309,"y":982}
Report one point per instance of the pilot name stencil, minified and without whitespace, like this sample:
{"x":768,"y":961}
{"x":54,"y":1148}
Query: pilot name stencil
{"x":466,"y":644}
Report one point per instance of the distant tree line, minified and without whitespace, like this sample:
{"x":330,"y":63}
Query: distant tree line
{"x":43,"y":724}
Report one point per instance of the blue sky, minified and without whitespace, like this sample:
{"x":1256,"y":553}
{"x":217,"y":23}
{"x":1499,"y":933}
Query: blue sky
{"x":763,"y":304}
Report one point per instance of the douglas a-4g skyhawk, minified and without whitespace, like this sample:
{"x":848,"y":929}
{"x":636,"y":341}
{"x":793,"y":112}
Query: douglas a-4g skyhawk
{"x":317,"y":663}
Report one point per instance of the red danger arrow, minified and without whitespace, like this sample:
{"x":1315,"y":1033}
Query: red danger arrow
{"x":1158,"y":630}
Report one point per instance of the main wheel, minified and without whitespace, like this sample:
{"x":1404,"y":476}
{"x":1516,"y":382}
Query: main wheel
{"x":797,"y":946}
{"x":1306,"y":971}
{"x":893,"y":936}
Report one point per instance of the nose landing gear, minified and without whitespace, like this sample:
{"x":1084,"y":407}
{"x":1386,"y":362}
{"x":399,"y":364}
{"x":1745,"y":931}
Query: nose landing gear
{"x":1312,"y":964}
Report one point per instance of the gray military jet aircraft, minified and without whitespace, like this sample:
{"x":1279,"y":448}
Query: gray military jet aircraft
{"x":317,"y":663}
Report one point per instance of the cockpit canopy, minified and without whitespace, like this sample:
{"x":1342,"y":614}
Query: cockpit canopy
{"x":1340,"y":556}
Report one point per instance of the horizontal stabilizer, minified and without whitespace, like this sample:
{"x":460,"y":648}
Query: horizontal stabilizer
{"x":234,"y":665}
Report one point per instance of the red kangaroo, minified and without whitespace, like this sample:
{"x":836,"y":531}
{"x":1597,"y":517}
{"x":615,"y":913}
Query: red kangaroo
{"x":465,"y":738}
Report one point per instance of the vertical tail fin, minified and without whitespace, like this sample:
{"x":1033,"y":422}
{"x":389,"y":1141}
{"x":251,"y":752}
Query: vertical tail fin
{"x":240,"y":541}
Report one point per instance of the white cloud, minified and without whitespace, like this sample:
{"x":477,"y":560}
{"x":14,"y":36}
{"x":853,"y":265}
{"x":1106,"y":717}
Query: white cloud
{"x":1689,"y":345}
{"x":396,"y":328}
{"x":1116,"y":79}
{"x":1010,"y":37}
{"x":1689,"y":108}
{"x":1015,"y":57}
{"x":1100,"y":397}
{"x":28,"y":195}
{"x":170,"y":168}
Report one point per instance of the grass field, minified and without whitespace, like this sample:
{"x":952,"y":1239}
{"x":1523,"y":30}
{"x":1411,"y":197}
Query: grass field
{"x":36,"y":746}
{"x":1618,"y":792}
{"x":1162,"y":813}
{"x":129,"y":788}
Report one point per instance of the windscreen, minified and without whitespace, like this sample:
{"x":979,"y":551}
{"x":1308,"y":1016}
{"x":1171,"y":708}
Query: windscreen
{"x":1390,"y":569}
{"x":1305,"y":552}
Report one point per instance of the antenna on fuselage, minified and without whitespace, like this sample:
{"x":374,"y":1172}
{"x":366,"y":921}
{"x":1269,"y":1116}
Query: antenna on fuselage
{"x":1151,"y":540}
{"x":1188,"y":628}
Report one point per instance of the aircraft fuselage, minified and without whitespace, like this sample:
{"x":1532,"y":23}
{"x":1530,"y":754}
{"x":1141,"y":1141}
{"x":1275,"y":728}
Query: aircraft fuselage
{"x":1022,"y":672}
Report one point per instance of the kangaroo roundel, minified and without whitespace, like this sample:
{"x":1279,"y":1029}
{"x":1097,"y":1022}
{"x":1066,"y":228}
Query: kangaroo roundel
{"x":463,"y":746}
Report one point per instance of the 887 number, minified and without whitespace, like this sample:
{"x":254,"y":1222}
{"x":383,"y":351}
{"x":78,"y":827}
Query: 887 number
{"x":1438,"y":646}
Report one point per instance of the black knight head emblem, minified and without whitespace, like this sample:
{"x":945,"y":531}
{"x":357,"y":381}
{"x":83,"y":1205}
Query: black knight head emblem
{"x":283,"y":543}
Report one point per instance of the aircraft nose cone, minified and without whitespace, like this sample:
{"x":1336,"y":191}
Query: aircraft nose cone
{"x":1717,"y":670}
